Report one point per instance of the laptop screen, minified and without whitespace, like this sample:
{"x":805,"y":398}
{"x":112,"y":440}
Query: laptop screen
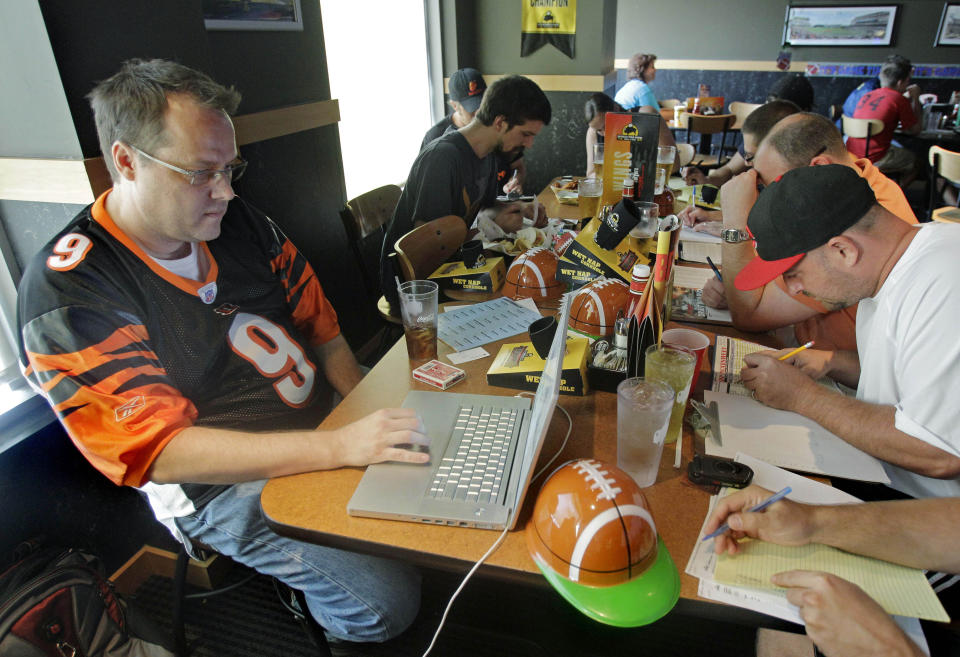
{"x":544,"y":402}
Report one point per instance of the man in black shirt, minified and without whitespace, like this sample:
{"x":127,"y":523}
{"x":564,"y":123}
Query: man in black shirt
{"x":466,"y":91}
{"x":456,"y":173}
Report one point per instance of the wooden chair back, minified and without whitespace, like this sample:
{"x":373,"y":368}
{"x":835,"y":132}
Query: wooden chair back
{"x":426,"y":247}
{"x":862,"y":129}
{"x":711,"y":125}
{"x":944,"y":163}
{"x":741,"y":111}
{"x":363,"y":217}
{"x":369,"y":212}
{"x":669,"y":103}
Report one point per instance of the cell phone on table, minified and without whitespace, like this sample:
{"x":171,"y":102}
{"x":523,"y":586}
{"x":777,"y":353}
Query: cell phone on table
{"x":717,"y":471}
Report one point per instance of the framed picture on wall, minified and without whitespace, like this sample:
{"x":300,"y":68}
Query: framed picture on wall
{"x":252,"y":15}
{"x":949,"y":32}
{"x":840,"y":25}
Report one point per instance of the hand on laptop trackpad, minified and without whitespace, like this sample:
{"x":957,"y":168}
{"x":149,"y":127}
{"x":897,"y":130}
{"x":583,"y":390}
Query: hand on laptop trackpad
{"x":421,"y":442}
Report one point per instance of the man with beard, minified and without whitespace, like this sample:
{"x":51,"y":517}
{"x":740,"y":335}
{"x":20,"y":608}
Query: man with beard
{"x":457,"y":173}
{"x":822,"y":229}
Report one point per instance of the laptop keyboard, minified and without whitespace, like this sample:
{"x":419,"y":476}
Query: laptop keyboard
{"x":474,"y":465}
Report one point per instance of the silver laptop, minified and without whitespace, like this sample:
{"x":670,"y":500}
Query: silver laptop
{"x":483,"y":451}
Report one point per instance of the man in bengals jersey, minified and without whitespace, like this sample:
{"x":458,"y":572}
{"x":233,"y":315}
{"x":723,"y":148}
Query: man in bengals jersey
{"x":189,"y":351}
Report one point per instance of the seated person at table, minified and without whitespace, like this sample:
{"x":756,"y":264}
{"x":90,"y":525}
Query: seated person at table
{"x":595,"y":111}
{"x":636,"y":95}
{"x":466,"y":91}
{"x":457,"y":173}
{"x":755,"y":127}
{"x":794,"y":87}
{"x":890,"y":105}
{"x":796,"y":141}
{"x":841,"y":619}
{"x":152,"y":324}
{"x":822,"y":229}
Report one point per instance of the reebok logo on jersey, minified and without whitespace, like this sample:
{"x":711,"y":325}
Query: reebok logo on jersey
{"x":226,"y":309}
{"x":128,"y":409}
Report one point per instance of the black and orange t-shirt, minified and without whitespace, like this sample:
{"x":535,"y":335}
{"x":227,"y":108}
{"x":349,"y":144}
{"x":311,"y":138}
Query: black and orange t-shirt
{"x":128,"y":354}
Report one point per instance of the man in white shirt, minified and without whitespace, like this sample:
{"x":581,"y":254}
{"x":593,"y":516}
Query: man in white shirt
{"x":823,"y":230}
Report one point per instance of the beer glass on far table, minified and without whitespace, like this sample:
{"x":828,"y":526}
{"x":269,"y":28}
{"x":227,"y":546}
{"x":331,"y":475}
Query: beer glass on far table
{"x":598,"y":161}
{"x":666,"y":155}
{"x":589,"y":192}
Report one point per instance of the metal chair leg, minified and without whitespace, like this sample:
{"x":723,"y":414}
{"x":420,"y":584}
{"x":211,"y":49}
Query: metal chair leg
{"x":179,"y":587}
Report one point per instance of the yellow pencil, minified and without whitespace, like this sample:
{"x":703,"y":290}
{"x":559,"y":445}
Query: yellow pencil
{"x":796,"y":351}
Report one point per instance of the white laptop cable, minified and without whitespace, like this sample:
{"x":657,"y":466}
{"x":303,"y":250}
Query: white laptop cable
{"x":499,"y":541}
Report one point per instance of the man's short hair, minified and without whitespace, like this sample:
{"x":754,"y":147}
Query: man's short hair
{"x":516,"y":98}
{"x":894,"y":69}
{"x":793,"y":87}
{"x":599,"y":103}
{"x":806,"y":137}
{"x":759,"y":121}
{"x":129,"y":106}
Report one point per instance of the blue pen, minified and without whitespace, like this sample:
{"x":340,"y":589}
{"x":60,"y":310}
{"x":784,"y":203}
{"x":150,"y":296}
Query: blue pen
{"x":776,"y":497}
{"x":714,"y":268}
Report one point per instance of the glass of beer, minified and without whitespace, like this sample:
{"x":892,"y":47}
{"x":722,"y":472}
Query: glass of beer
{"x":589,"y":192}
{"x":598,"y":160}
{"x":418,"y":308}
{"x":673,"y":365}
{"x":666,"y":155}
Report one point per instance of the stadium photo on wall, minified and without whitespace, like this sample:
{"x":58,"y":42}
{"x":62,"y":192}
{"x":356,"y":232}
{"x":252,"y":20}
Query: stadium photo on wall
{"x":949,"y":32}
{"x":840,"y":25}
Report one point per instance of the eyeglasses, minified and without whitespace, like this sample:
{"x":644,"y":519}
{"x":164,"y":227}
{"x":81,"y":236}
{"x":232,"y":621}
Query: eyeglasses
{"x":202,"y":176}
{"x":748,"y":157}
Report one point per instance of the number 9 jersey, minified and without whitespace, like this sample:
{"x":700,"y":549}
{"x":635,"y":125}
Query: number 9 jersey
{"x":128,"y":353}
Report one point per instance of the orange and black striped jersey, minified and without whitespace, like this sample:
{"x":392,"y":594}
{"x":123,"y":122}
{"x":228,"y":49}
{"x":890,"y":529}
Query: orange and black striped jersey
{"x":128,"y":353}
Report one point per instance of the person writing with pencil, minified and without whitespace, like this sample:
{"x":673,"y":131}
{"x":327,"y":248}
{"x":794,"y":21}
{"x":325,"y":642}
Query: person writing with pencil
{"x":822,"y":229}
{"x":840,"y":618}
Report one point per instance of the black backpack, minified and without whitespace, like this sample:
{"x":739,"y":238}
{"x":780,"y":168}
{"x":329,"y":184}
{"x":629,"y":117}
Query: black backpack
{"x":57,"y":602}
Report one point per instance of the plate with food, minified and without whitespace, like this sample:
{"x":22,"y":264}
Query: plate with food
{"x":565,"y":189}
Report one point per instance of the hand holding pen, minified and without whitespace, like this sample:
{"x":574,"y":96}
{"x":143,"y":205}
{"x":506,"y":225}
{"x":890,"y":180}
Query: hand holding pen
{"x":757,"y":513}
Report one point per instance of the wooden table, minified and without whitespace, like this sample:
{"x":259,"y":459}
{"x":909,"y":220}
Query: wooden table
{"x":312,"y":506}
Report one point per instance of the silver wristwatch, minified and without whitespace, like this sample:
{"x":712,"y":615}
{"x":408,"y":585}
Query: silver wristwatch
{"x":734,"y":235}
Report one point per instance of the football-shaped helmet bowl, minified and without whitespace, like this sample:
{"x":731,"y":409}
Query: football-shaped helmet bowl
{"x":594,"y":308}
{"x":594,"y":538}
{"x":534,"y":274}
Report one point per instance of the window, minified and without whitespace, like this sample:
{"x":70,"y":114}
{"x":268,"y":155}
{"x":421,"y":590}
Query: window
{"x":377,"y":63}
{"x":13,"y":387}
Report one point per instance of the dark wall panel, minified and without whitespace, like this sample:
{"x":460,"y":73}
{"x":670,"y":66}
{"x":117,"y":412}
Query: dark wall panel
{"x":560,"y":148}
{"x":49,"y":490}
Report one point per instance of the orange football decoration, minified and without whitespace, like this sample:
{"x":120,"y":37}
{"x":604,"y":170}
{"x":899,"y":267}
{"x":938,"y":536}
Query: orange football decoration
{"x":594,"y":308}
{"x":534,"y":274}
{"x":592,"y":525}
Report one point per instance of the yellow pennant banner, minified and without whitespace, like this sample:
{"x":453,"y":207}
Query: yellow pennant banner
{"x":548,"y":21}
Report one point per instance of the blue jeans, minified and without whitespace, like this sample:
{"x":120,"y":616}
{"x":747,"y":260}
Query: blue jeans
{"x":353,"y":596}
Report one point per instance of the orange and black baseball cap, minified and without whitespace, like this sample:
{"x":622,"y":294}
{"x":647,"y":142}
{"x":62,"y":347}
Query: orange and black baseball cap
{"x":467,"y":87}
{"x":799,"y":213}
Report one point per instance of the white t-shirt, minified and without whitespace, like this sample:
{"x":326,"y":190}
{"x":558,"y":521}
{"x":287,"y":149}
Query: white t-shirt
{"x":908,"y":338}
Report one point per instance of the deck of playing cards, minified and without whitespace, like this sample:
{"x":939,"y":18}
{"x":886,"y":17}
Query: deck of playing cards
{"x":437,"y":374}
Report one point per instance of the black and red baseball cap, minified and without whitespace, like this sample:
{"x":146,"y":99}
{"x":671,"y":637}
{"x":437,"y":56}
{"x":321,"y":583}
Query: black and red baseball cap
{"x":467,"y":87}
{"x":799,"y":213}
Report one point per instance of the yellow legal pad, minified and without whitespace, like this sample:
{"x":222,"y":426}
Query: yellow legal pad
{"x":898,"y":589}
